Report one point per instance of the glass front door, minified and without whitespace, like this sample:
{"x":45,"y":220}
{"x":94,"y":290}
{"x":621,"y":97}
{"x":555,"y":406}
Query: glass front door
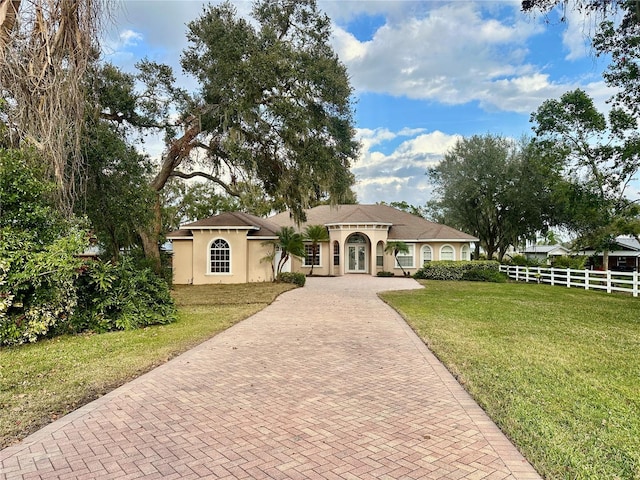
{"x":357,"y":258}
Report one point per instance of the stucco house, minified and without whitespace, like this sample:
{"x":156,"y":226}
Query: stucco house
{"x":232,"y":247}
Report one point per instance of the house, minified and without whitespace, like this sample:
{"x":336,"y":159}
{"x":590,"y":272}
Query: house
{"x":544,"y":254}
{"x":623,"y":257}
{"x":234,"y":247}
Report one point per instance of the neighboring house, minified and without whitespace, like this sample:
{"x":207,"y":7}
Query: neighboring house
{"x":623,"y":257}
{"x":231,"y":247}
{"x":544,"y":254}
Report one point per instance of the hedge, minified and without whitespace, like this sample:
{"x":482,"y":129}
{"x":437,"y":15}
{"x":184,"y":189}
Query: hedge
{"x":453,"y":270}
{"x":296,"y":278}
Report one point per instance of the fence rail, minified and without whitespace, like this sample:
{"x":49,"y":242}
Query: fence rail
{"x":610,"y":281}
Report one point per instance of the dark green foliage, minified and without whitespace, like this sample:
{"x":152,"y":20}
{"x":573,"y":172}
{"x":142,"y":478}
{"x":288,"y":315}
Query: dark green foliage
{"x":453,"y":270}
{"x":521,"y":261}
{"x":46,"y":287}
{"x":120,"y":297}
{"x":496,"y":189}
{"x":576,"y":263}
{"x":39,"y":250}
{"x":385,"y":274}
{"x":479,"y":275}
{"x":296,"y":278}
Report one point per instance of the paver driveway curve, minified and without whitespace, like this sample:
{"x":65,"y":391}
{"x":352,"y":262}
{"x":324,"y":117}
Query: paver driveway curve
{"x":328,"y":382}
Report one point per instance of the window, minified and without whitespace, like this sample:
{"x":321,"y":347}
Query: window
{"x":447,"y":253}
{"x":380,"y":255}
{"x":336,"y":253}
{"x":309,"y":257}
{"x":405,"y":259}
{"x":427,"y":254}
{"x":219,"y":257}
{"x":464,"y":253}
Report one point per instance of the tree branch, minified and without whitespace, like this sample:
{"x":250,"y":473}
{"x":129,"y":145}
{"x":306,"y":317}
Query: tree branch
{"x":209,"y":177}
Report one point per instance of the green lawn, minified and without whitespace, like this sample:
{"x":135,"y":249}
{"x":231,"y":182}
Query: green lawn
{"x":40,"y":382}
{"x":557,"y":369}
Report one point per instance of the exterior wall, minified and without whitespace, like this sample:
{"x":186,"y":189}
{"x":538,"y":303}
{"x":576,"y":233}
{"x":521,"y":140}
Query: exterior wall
{"x":257,"y":269}
{"x":237,"y":240}
{"x":326,"y":258}
{"x":182,"y":264}
{"x":373,"y":233}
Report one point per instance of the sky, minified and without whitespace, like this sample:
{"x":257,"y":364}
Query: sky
{"x":425,"y":74}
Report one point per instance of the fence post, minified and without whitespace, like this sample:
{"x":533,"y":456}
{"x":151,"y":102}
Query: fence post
{"x":552,"y":277}
{"x":526,"y":274}
{"x":586,"y":279}
{"x":608,"y":281}
{"x":568,"y":278}
{"x":635,"y":283}
{"x":517,"y":273}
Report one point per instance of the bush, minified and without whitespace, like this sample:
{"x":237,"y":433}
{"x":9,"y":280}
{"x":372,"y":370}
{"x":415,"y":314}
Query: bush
{"x":575,"y":263}
{"x":452,"y":270}
{"x":120,"y":297}
{"x":521,"y":261}
{"x":484,"y":276}
{"x":385,"y":274}
{"x":292,"y":277}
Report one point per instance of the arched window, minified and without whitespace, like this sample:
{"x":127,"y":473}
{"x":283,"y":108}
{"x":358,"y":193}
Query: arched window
{"x":464,"y":253}
{"x":219,"y":256}
{"x":447,"y":253}
{"x":427,"y":254}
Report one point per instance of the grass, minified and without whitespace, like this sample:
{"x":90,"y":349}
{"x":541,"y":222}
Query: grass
{"x":42,"y":381}
{"x":557,"y":369}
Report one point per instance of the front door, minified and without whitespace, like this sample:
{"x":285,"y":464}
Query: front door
{"x":357,"y":255}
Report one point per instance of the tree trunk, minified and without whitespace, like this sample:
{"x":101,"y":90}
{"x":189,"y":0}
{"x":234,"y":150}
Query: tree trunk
{"x":605,"y":260}
{"x":151,"y":236}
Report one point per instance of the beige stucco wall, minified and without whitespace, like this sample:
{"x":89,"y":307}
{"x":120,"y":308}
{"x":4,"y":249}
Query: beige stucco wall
{"x":191,"y":257}
{"x":257,"y":269}
{"x":182,"y":262}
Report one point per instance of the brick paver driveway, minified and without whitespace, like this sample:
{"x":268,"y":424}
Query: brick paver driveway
{"x":328,"y":382}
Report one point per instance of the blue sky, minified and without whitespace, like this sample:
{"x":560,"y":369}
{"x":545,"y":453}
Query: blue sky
{"x":424,"y":74}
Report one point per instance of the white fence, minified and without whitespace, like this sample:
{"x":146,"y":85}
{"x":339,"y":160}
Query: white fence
{"x":588,"y":279}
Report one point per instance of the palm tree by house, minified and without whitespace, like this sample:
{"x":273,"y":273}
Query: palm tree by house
{"x":291,"y":244}
{"x":396,"y":248}
{"x":315,"y":234}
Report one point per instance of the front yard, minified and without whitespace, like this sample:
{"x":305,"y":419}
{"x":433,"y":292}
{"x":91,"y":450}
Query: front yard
{"x":557,"y":369}
{"x":42,"y":381}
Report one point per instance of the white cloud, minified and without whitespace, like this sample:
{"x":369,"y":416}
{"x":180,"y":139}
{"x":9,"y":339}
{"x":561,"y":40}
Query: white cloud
{"x":399,"y":175}
{"x":453,"y":55}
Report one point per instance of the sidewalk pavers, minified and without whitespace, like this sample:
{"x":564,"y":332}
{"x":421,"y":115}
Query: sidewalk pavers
{"x":328,"y":382}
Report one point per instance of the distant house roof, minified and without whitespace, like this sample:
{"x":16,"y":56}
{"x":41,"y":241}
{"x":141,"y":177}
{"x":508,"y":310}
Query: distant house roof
{"x":256,"y":226}
{"x":401,"y":225}
{"x":546,"y":250}
{"x":628,"y":243}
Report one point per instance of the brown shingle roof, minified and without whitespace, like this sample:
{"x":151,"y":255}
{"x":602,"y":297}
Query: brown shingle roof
{"x":259,"y":227}
{"x":404,"y":226}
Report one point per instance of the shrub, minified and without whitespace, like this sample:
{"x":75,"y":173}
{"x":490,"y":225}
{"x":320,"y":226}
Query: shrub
{"x":576,"y":263}
{"x":484,"y":276}
{"x":292,"y":277}
{"x":385,"y":274}
{"x":521,"y":261}
{"x":120,"y":297}
{"x":452,"y":270}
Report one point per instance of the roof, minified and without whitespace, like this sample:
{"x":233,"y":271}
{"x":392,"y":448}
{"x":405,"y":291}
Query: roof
{"x":628,"y":243}
{"x":402,"y":225}
{"x":545,"y":249}
{"x":256,"y":226}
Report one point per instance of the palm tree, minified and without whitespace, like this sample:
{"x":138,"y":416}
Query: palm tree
{"x":315,"y":234}
{"x":291,"y":244}
{"x":396,"y":248}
